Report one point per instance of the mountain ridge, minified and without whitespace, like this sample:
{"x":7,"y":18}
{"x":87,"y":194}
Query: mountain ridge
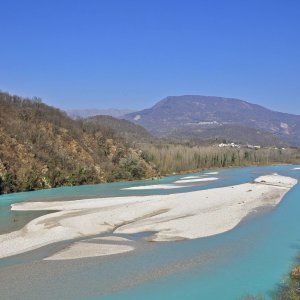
{"x":122,"y":128}
{"x":91,"y":112}
{"x":190,"y":112}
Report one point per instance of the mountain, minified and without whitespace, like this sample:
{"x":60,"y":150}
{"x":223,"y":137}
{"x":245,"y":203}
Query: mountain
{"x":85,"y":113}
{"x":41,"y":147}
{"x":186,"y":115}
{"x":122,"y":128}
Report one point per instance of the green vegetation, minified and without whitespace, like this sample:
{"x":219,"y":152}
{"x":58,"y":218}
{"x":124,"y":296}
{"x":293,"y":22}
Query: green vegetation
{"x":289,"y":290}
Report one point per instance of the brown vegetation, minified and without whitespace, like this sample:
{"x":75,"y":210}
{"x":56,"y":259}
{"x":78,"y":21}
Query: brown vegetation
{"x":127,"y":131}
{"x":291,"y":289}
{"x":41,"y":147}
{"x":176,"y":158}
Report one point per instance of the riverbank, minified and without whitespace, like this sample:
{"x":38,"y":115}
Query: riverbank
{"x":172,"y":217}
{"x":157,"y":174}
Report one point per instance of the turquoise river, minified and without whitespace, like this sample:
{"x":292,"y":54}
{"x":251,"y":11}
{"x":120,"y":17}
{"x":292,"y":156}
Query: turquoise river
{"x":255,"y":257}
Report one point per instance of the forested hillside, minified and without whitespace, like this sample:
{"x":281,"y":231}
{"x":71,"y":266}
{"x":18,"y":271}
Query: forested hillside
{"x":124,"y":129}
{"x":41,"y":147}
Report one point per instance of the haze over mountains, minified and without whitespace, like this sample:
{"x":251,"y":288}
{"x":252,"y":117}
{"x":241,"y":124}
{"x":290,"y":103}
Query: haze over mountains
{"x":125,"y":129}
{"x":207,"y":117}
{"x":85,"y":113}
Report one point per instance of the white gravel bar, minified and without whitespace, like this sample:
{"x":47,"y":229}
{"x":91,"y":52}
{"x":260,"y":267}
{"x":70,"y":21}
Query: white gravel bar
{"x":172,"y":217}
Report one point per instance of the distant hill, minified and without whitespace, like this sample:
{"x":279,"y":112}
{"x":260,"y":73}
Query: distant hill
{"x":205,"y":115}
{"x":120,"y":127}
{"x":41,"y":147}
{"x":85,"y":113}
{"x":230,"y":133}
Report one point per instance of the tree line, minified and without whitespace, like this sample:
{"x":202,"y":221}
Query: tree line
{"x":41,"y":147}
{"x":176,"y":158}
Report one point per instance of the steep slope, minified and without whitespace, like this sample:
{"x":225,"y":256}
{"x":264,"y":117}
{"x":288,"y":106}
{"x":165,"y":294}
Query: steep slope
{"x":202,"y":112}
{"x":122,"y":128}
{"x":41,"y":146}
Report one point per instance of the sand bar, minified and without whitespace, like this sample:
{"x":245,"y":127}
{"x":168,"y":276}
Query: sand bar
{"x":172,"y":217}
{"x":93,"y":247}
{"x":191,"y":177}
{"x":155,"y":187}
{"x":197,"y":180}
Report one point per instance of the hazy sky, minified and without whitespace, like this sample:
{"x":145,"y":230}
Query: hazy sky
{"x":132,"y":53}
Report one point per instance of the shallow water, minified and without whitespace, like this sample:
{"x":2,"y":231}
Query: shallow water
{"x":252,"y":258}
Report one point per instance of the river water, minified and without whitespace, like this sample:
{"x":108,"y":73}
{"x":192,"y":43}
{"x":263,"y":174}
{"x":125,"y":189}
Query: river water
{"x":254,"y":257}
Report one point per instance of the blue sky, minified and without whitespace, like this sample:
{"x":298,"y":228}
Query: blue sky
{"x":132,"y":53}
